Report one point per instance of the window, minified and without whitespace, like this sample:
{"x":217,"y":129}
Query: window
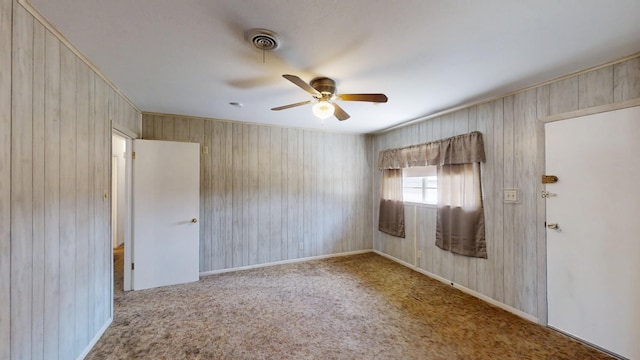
{"x":420,"y":184}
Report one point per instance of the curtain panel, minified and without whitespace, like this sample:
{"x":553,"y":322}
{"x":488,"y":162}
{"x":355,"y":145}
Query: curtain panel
{"x":460,"y":220}
{"x":391,"y":216}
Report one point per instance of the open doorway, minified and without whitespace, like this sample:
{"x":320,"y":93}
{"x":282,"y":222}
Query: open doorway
{"x":121,"y":209}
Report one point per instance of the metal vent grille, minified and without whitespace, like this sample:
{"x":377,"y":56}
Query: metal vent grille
{"x":262,"y":39}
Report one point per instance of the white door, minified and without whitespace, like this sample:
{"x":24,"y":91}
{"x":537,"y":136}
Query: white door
{"x":166,"y":185}
{"x":593,"y":258}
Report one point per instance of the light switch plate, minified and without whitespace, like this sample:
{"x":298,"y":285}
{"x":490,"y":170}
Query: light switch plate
{"x":511,"y":196}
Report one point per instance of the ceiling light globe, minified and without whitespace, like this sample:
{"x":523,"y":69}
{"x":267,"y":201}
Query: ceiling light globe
{"x":323,"y":109}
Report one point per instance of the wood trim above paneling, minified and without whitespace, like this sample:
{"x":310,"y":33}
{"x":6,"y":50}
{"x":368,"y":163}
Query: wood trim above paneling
{"x":43,"y":20}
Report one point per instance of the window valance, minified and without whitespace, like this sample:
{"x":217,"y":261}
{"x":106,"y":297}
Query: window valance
{"x":461,"y":149}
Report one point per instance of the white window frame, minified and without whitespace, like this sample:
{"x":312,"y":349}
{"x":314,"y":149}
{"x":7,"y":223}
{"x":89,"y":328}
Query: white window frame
{"x":420,"y":172}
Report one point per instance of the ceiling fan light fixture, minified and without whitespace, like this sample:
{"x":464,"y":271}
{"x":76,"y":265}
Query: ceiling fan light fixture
{"x":323,"y":109}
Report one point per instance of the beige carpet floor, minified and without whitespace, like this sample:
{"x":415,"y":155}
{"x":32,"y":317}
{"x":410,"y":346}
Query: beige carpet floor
{"x":355,"y":307}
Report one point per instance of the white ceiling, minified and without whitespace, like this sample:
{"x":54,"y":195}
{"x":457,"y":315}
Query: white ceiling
{"x":189,"y":57}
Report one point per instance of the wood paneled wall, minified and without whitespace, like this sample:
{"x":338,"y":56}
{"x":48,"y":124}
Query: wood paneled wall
{"x":55,"y":136}
{"x":5,"y":178}
{"x":515,"y":272}
{"x":264,"y":190}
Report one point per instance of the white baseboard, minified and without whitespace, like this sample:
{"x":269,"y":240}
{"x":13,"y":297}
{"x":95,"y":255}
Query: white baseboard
{"x":95,"y":339}
{"x":476,"y":294}
{"x":283,"y":262}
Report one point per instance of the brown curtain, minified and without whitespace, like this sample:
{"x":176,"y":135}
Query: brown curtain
{"x":460,"y":224}
{"x":391,"y":216}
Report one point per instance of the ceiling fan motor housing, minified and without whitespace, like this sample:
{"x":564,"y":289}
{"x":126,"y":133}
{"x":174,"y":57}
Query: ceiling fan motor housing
{"x":324,"y":85}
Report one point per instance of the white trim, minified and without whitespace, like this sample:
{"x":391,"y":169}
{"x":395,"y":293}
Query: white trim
{"x":95,"y":339}
{"x":123,"y":130}
{"x":284,"y":262}
{"x":463,"y":289}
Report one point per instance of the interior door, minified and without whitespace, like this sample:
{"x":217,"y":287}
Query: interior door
{"x":166,"y":186}
{"x":593,"y":257}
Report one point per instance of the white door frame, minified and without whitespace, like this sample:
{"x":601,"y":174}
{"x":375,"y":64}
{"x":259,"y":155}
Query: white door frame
{"x":129,"y":137}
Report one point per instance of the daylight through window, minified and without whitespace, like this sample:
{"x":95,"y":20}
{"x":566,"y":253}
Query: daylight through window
{"x":420,"y":184}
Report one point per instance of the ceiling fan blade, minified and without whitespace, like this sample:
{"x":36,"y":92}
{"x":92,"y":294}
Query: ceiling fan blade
{"x":340,"y":113}
{"x":301,"y":84}
{"x":292,"y":105}
{"x":379,"y":98}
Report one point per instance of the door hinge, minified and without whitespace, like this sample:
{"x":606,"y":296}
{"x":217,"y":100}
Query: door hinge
{"x":133,"y":266}
{"x":133,"y":155}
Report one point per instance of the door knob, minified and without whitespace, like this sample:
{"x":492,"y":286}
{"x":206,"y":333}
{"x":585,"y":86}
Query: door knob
{"x":553,"y":226}
{"x":194,"y":220}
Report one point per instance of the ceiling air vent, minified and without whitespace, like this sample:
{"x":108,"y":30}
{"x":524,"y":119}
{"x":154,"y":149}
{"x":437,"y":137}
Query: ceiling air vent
{"x":262,"y":39}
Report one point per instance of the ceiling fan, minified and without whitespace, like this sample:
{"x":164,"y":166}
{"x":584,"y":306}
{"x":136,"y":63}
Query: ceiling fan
{"x":324,"y":95}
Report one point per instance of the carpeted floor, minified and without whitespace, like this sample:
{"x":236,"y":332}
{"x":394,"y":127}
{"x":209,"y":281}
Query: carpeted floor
{"x":355,"y":307}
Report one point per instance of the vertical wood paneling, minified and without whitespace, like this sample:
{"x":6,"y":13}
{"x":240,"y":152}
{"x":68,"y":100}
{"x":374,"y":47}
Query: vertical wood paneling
{"x":147,"y":128}
{"x":68,"y":159}
{"x":497,"y":256}
{"x":52,"y":193}
{"x":245,"y":171}
{"x":626,"y":80}
{"x":264,"y":194}
{"x":252,"y":202}
{"x":5,"y":176}
{"x":509,"y":209}
{"x":525,"y":109}
{"x":168,"y":128}
{"x":91,"y":216}
{"x":319,"y":193}
{"x":211,"y":216}
{"x":293,"y":186}
{"x":266,"y":189}
{"x":564,"y":95}
{"x":275,"y":206}
{"x":37,"y":305}
{"x":308,"y":199}
{"x":595,"y":88}
{"x":55,"y":289}
{"x":101,"y":103}
{"x":82,"y":206}
{"x":21,"y":191}
{"x":236,"y":194}
{"x":196,"y":134}
{"x":227,"y":199}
